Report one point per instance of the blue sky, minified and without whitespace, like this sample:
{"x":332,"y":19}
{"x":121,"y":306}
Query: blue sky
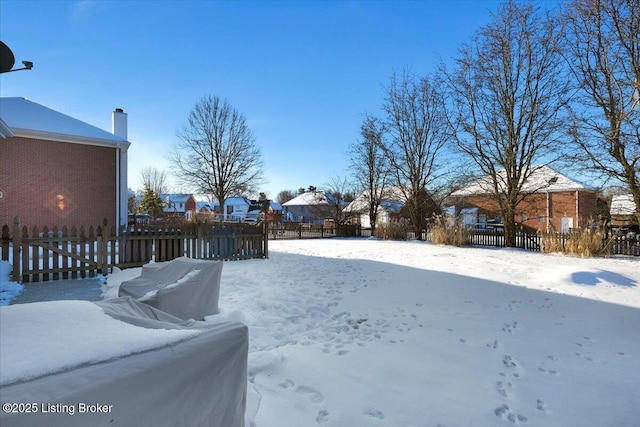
{"x":303,"y":73}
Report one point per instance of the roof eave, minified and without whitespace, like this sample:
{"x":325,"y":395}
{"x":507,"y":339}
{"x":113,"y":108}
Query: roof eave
{"x":48,"y":136}
{"x":539,"y":191}
{"x":5,"y":131}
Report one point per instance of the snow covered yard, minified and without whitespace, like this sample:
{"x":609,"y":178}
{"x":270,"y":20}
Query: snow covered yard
{"x":378,"y":333}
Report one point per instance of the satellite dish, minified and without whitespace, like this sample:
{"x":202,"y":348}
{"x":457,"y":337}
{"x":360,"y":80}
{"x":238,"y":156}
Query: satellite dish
{"x":7,"y":60}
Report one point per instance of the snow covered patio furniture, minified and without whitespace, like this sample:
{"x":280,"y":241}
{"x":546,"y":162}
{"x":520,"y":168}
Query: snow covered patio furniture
{"x":79,"y":363}
{"x":185,"y":288}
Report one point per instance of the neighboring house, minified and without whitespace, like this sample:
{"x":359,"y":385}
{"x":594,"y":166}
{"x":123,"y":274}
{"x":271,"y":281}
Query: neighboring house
{"x":389,"y":210}
{"x":182,"y":205}
{"x":241,"y":209}
{"x":235,"y":208}
{"x":312,"y":207}
{"x":205,"y":207}
{"x":275,"y":212}
{"x":623,"y":210}
{"x":59,"y":171}
{"x":552,"y":201}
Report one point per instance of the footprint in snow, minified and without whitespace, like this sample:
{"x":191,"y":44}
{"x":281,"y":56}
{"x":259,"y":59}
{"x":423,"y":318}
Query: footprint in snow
{"x":374,"y":413}
{"x":323,"y":416}
{"x":510,"y":327}
{"x":503,"y":412}
{"x":493,"y":344}
{"x":548,"y":371}
{"x":584,"y":356}
{"x":310,"y":393}
{"x":541,"y":406}
{"x":511,"y":363}
{"x":502,"y":387}
{"x":286,"y":384}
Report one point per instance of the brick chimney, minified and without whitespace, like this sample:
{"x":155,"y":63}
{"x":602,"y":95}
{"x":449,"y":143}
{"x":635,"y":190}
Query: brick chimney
{"x":119,"y":123}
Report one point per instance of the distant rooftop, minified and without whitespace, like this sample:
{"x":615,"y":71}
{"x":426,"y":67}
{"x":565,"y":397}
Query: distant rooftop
{"x":623,"y":205}
{"x":543,"y":179}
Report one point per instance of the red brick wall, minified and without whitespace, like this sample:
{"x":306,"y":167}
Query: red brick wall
{"x":56,"y":183}
{"x":587,"y":208}
{"x":190,"y":204}
{"x":532,"y":211}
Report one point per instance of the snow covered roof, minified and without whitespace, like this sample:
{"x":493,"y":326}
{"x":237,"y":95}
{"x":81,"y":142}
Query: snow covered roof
{"x":175,"y":198}
{"x":206,"y":205}
{"x":310,"y":198}
{"x":275,"y":206}
{"x":623,"y":205}
{"x":542,"y":179}
{"x":237,"y":201}
{"x":24,"y":118}
{"x":393,"y":200}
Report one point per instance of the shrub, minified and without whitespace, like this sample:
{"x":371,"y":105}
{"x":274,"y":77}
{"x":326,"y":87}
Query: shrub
{"x":444,"y":234}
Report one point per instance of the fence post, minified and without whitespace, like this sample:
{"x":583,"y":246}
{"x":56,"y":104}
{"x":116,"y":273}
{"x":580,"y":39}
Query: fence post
{"x":199,"y":243}
{"x":103,"y":256}
{"x":6,"y":238}
{"x":265,"y":238}
{"x":17,"y":247}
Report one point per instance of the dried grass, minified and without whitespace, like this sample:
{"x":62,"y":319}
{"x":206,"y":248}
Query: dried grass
{"x":579,"y":242}
{"x":393,"y":231}
{"x":454,"y":235}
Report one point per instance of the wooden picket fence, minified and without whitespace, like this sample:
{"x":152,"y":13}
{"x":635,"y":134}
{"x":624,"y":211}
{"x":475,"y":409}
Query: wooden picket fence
{"x":69,"y":253}
{"x":617,"y":245}
{"x":528,"y":241}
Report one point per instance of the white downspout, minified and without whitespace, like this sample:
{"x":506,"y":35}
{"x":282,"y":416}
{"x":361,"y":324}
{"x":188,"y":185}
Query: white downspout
{"x":119,"y":128}
{"x":577,"y":209}
{"x":548,"y":213}
{"x":118,"y":189}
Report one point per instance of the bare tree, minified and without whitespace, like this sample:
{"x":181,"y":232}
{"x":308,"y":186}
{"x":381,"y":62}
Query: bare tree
{"x":154,"y":179}
{"x":333,"y":200}
{"x":370,"y":167}
{"x":416,"y":134}
{"x":508,"y":92}
{"x":216,"y":153}
{"x":284,"y":196}
{"x":603,"y":52}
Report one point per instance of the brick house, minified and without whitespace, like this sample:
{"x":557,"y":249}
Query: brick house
{"x":552,"y":201}
{"x":59,"y":171}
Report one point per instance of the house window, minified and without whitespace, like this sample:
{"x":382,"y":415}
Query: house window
{"x":523,"y":218}
{"x":229,"y":210}
{"x":540,"y":219}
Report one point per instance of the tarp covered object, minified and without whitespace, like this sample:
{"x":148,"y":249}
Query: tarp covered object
{"x":185,"y":288}
{"x":197,"y":382}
